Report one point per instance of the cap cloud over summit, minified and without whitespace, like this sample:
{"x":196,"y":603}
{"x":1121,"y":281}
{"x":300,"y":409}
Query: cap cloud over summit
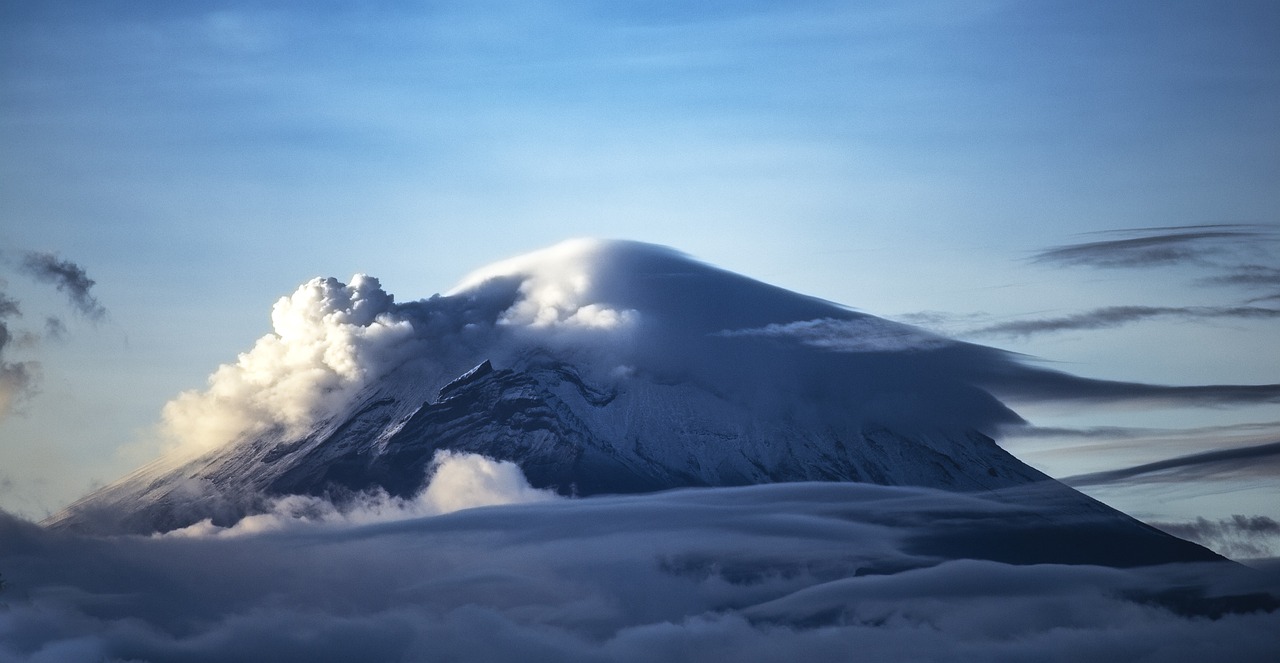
{"x":634,"y":307}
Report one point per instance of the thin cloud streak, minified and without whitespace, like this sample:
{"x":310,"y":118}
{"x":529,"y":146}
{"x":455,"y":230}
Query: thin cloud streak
{"x":1259,"y":459}
{"x":1122,"y":432}
{"x":1116,"y":316}
{"x":1188,"y":244}
{"x":1247,"y":275}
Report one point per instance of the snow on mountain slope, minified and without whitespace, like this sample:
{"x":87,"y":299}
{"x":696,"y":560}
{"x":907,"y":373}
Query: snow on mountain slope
{"x":597,"y":367}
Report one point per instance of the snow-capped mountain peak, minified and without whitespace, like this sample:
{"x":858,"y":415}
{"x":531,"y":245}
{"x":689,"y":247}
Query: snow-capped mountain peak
{"x":596,"y":367}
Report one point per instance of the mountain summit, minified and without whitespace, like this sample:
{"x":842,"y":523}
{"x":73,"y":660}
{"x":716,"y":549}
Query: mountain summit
{"x":596,"y":367}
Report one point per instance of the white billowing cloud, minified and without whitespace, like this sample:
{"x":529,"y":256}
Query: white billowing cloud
{"x":458,"y":481}
{"x":329,"y":339}
{"x":557,"y":287}
{"x":462,"y":481}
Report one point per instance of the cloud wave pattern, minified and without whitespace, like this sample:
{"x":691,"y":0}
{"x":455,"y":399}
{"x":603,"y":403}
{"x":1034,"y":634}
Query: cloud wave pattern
{"x":816,"y":571}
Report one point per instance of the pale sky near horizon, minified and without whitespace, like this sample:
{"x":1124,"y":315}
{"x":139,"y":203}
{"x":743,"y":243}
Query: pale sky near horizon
{"x":917,"y":160}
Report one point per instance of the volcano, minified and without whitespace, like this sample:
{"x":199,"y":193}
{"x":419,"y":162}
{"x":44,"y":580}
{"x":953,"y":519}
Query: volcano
{"x":597,"y":367}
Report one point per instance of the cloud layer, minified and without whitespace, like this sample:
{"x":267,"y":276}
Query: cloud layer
{"x":799,"y":571}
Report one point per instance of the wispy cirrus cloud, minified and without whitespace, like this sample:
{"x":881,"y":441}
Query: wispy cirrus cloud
{"x":1126,"y":432}
{"x":1156,"y":247}
{"x":1116,"y":316}
{"x":1029,"y":384}
{"x":1239,"y":537}
{"x":1256,"y":459}
{"x":1247,"y":275}
{"x":1238,"y":255}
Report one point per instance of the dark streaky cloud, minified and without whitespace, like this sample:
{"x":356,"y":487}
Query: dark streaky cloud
{"x":1247,"y":275}
{"x":67,"y":277}
{"x":16,"y":378}
{"x":1122,"y":432}
{"x":1115,"y":316}
{"x":1188,"y":244}
{"x":1032,"y":384}
{"x":1254,"y":458}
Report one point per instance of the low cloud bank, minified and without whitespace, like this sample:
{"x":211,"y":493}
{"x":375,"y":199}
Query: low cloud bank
{"x":819,"y":572}
{"x":457,"y":481}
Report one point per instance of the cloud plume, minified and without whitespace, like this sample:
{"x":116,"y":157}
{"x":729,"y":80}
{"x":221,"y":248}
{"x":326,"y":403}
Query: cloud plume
{"x":329,"y":339}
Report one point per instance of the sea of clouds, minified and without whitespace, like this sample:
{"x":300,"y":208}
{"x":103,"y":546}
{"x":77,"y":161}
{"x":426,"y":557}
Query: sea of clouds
{"x":815,"y":572}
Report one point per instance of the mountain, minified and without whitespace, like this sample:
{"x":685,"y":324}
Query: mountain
{"x":597,"y":367}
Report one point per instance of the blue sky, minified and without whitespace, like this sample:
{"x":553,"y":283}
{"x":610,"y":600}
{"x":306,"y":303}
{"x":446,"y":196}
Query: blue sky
{"x":201,"y":160}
